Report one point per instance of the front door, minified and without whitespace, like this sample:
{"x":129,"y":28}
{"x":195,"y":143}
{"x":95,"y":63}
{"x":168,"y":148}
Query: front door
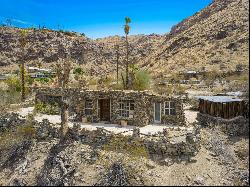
{"x":104,"y":105}
{"x":157,"y":117}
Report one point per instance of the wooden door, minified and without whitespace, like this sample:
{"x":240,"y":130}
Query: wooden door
{"x":104,"y":109}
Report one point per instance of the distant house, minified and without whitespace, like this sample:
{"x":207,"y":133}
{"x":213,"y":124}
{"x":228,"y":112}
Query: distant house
{"x":189,"y":74}
{"x":3,"y":77}
{"x":35,"y":72}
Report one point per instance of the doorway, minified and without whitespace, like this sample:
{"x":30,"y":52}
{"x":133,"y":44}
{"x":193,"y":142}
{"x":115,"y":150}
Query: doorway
{"x":104,"y":106}
{"x":157,"y":112}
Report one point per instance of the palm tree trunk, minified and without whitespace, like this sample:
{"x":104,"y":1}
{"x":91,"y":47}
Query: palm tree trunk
{"x":22,"y":83}
{"x":117,"y":64}
{"x":127,"y":63}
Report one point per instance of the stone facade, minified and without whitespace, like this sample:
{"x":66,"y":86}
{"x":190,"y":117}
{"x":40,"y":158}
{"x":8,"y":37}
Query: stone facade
{"x":143,"y":111}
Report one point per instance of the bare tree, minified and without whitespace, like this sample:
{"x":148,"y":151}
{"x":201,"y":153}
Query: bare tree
{"x":63,"y":68}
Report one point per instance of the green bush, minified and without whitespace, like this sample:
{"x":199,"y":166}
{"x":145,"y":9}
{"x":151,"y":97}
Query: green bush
{"x":14,"y":83}
{"x":142,"y":80}
{"x":43,"y":80}
{"x":78,"y":71}
{"x":44,"y":108}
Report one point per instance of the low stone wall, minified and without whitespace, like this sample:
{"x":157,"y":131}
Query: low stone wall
{"x":236,"y":126}
{"x":158,"y":146}
{"x":44,"y":129}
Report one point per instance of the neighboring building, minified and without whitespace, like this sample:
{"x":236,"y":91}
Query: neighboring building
{"x":35,"y":72}
{"x":6,"y":76}
{"x":229,"y":114}
{"x":3,"y":77}
{"x":223,"y":106}
{"x":190,"y":74}
{"x":137,"y":108}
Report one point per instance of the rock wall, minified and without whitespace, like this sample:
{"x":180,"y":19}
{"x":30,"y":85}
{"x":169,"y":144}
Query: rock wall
{"x":158,"y":146}
{"x":236,"y":126}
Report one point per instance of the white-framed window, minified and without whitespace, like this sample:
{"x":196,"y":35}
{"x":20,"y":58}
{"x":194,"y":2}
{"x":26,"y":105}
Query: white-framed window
{"x":126,"y":108}
{"x":169,"y":108}
{"x":88,"y":107}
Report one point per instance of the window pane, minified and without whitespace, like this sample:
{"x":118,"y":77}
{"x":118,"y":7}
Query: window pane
{"x":166,"y":104}
{"x":172,"y":104}
{"x":88,"y":104}
{"x":132,"y":107}
{"x":172,"y":112}
{"x":166,"y":111}
{"x":88,"y":111}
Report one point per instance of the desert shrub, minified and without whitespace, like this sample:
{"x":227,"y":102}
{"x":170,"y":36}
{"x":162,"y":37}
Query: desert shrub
{"x":124,"y":144}
{"x":17,"y":134}
{"x":179,"y":89}
{"x":92,"y":81}
{"x":78,"y":71}
{"x":14,"y":83}
{"x":45,"y":108}
{"x":11,"y":94}
{"x":118,"y":86}
{"x":43,"y":80}
{"x":142,"y":80}
{"x":163,"y":89}
{"x":242,"y":149}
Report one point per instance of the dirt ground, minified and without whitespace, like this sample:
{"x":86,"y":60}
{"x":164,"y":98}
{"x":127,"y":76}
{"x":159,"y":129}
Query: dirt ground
{"x":204,"y":169}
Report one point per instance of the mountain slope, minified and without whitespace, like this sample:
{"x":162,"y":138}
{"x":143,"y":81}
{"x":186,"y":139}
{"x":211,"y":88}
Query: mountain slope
{"x":215,"y":37}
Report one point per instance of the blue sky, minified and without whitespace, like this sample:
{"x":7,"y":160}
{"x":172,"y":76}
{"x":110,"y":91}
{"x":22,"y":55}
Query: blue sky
{"x":100,"y":18}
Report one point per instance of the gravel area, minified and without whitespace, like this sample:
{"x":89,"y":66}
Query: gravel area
{"x":149,"y":129}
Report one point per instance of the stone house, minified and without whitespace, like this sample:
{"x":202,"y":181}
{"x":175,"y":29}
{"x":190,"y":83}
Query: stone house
{"x":137,"y":108}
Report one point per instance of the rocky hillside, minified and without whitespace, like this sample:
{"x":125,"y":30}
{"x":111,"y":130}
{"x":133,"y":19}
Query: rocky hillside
{"x":214,"y":38}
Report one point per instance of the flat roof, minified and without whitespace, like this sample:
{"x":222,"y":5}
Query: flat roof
{"x":219,"y":99}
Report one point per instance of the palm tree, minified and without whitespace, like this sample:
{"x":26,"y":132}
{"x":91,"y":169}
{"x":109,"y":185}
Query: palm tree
{"x":23,"y":42}
{"x":126,"y":30}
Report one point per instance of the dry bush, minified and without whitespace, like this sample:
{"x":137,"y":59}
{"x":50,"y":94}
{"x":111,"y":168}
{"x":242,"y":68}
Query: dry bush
{"x":17,"y":134}
{"x":124,"y":144}
{"x":242,"y":149}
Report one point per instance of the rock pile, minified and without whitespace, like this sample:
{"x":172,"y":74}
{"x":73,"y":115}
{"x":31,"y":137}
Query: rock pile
{"x":57,"y":169}
{"x":17,"y":154}
{"x":10,"y":120}
{"x":116,"y":176}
